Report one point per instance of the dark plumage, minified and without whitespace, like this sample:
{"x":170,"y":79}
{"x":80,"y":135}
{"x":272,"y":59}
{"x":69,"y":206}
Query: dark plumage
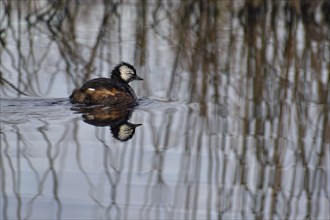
{"x":113,"y":91}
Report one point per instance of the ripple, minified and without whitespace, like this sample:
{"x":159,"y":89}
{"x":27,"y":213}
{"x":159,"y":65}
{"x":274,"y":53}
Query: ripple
{"x":18,"y":111}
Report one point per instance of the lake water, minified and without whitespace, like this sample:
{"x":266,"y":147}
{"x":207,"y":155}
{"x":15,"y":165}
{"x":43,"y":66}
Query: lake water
{"x":232,"y":122}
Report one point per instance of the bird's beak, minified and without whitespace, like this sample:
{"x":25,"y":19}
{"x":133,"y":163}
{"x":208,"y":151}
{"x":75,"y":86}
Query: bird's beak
{"x":136,"y":77}
{"x":136,"y":125}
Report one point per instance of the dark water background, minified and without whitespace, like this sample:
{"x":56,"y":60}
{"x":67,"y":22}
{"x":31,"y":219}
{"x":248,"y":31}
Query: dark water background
{"x":234,"y":107}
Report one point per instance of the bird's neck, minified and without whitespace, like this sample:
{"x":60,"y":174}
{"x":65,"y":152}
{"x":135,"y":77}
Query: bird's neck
{"x":117,"y":78}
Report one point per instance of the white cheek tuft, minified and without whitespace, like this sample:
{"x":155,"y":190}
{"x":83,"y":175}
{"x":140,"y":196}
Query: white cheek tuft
{"x":124,"y":132}
{"x":125,"y":72}
{"x":91,"y":89}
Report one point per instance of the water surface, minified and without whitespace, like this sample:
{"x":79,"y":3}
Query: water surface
{"x":234,"y":107}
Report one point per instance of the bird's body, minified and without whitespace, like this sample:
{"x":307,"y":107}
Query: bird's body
{"x":114,"y":91}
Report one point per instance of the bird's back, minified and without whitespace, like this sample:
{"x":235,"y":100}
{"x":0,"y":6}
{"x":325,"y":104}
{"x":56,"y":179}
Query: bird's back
{"x":104,"y":91}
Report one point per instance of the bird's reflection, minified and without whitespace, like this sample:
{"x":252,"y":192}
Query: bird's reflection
{"x":116,"y":119}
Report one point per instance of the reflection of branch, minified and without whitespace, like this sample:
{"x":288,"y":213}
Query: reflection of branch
{"x":80,"y":164}
{"x":4,"y":81}
{"x":109,"y":9}
{"x":157,"y":196}
{"x":113,"y":183}
{"x":51,"y":160}
{"x":40,"y":187}
{"x":140,"y":51}
{"x":4,"y":147}
{"x":182,"y":37}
